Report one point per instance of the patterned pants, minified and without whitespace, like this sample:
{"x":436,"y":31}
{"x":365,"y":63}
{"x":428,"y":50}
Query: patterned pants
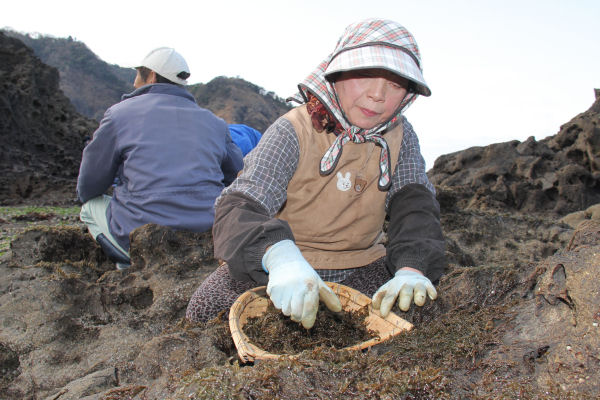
{"x":219,"y":290}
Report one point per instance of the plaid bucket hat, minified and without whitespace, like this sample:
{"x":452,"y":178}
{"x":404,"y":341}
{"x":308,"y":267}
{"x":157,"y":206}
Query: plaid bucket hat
{"x":378,"y":43}
{"x":395,"y":59}
{"x":372,"y":43}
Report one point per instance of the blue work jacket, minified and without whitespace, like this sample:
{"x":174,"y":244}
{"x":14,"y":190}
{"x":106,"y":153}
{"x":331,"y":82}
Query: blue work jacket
{"x":168,"y":158}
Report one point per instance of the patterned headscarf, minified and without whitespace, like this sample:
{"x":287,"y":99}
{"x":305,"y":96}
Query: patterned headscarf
{"x":373,"y":43}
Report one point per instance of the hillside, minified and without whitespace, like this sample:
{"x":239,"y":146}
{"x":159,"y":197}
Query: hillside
{"x":93,"y":85}
{"x":239,"y":102}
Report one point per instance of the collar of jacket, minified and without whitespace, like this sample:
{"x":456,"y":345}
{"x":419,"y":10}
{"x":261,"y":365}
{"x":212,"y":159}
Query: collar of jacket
{"x":160,"y":88}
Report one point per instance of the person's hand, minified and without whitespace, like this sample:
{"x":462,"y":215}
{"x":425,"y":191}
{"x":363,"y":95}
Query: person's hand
{"x":406,"y":285}
{"x":294,"y":286}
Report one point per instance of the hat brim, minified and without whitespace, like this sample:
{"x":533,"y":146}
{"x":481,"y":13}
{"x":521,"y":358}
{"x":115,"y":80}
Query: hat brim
{"x":172,"y":77}
{"x":379,"y":56}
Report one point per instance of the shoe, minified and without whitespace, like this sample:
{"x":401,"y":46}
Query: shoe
{"x":123,"y":266}
{"x":111,"y":251}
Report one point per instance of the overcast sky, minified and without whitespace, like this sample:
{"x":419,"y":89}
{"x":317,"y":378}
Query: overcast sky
{"x":499,"y":70}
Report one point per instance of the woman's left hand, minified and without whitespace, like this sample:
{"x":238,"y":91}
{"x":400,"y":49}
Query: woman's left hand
{"x":407,"y":285}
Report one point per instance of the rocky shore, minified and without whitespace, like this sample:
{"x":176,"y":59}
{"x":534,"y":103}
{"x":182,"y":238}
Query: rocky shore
{"x":517,"y":314}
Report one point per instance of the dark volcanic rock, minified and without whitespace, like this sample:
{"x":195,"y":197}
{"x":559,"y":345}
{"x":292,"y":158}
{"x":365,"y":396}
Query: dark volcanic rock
{"x":560,"y":174}
{"x":505,"y":239}
{"x":42,"y":134}
{"x":91,"y":84}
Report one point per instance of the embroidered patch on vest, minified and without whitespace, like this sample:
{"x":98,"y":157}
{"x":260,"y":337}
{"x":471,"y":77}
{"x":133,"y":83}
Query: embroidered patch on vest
{"x":360,"y":184}
{"x":343,"y":183}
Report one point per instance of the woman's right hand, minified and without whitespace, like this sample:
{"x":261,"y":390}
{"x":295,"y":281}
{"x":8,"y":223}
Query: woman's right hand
{"x":294,"y":286}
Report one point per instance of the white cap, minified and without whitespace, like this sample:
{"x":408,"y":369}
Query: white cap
{"x":166,"y":62}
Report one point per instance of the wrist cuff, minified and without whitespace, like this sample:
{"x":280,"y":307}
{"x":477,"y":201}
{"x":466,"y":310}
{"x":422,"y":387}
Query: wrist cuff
{"x":282,"y":244}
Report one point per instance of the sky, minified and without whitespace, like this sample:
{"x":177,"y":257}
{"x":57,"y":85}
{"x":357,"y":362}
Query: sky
{"x":498,"y":70}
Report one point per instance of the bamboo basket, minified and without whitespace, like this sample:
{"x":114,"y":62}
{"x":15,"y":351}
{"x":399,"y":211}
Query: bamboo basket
{"x":254,"y":302}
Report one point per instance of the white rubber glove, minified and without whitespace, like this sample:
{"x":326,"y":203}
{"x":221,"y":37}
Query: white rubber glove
{"x":406,"y":286}
{"x":294,"y":286}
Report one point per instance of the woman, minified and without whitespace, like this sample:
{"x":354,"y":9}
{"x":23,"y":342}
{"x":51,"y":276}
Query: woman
{"x":311,"y":201}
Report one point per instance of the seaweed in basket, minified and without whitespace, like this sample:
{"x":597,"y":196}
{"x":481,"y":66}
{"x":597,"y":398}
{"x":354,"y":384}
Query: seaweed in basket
{"x":278,"y":334}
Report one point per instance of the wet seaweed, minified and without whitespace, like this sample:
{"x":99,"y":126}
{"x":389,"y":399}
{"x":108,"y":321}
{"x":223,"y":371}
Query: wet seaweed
{"x":278,"y":334}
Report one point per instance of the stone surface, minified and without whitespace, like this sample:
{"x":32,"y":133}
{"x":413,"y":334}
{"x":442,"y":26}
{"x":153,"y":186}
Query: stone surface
{"x":559,"y":174}
{"x":42,"y":134}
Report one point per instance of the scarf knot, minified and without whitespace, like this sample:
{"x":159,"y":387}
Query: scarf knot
{"x":323,"y":120}
{"x":333,"y":154}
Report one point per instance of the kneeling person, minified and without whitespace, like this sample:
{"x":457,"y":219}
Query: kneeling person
{"x":167,"y":158}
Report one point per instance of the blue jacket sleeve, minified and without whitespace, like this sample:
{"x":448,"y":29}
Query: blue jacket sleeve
{"x":99,"y":163}
{"x":233,"y":161}
{"x":244,"y":136}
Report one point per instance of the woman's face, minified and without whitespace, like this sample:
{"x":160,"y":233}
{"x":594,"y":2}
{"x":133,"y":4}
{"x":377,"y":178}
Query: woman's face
{"x":370,"y":97}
